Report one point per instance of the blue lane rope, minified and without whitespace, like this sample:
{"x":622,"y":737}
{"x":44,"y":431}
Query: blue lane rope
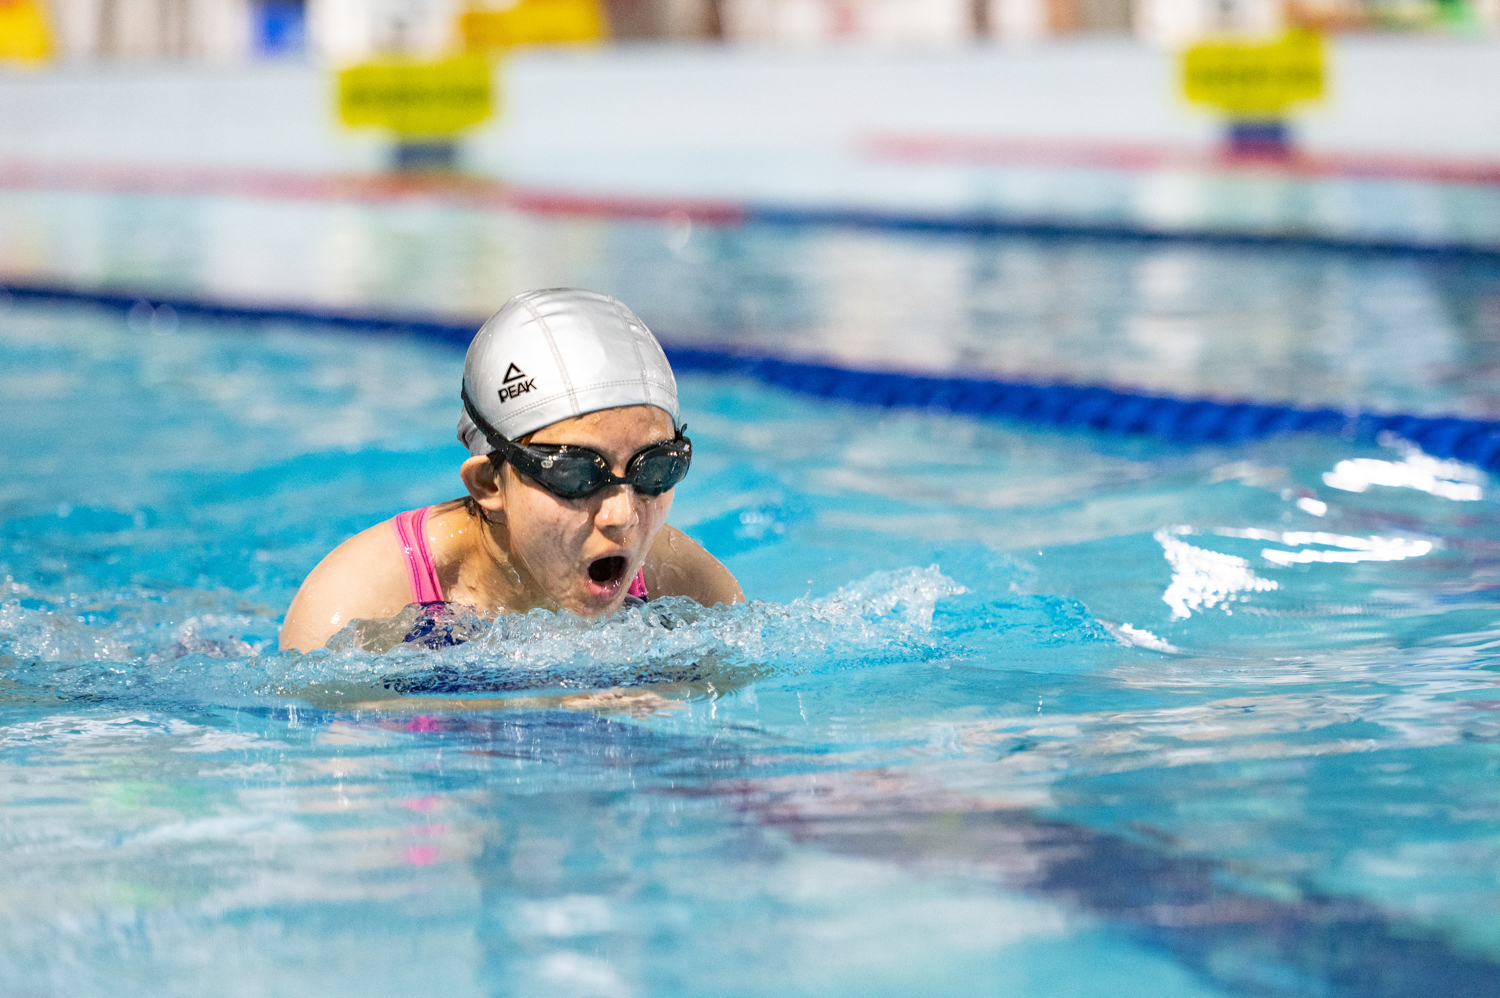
{"x":1066,"y":406}
{"x":1101,"y":409}
{"x":355,"y":321}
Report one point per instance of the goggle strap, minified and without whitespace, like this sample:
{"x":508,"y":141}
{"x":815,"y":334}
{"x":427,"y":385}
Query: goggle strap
{"x":491,"y":434}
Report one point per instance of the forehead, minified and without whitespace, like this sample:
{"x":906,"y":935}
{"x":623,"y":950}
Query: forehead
{"x":621,"y":426}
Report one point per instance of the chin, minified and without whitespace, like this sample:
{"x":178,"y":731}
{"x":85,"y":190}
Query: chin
{"x":592,"y":608}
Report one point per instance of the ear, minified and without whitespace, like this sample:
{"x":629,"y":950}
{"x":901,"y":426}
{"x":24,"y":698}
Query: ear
{"x":482,"y":479}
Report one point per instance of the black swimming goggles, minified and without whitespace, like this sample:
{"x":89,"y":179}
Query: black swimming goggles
{"x":572,"y":472}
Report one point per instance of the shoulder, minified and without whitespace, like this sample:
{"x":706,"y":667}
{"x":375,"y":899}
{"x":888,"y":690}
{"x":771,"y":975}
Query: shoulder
{"x":677,"y":565}
{"x":365,"y":577}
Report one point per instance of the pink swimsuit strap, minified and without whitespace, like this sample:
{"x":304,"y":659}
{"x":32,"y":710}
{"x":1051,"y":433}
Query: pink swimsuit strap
{"x":411,"y":531}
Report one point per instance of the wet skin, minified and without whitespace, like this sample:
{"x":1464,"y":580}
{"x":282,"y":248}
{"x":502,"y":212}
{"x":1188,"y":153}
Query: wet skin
{"x":578,"y":554}
{"x":527,"y":548}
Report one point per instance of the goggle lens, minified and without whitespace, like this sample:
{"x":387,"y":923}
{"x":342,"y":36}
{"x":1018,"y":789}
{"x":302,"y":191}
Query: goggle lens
{"x":569,"y":475}
{"x":657,"y":473}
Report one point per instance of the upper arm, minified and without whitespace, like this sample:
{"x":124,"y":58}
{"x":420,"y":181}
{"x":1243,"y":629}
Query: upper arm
{"x":677,"y":565}
{"x":363,"y":578}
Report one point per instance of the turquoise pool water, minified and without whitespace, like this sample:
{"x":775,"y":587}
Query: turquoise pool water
{"x":1012,"y":712}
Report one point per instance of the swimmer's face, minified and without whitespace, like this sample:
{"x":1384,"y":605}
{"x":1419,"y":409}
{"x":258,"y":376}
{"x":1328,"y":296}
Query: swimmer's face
{"x":583,"y":553}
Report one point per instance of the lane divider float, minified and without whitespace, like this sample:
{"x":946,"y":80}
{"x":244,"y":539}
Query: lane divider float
{"x":1080,"y":407}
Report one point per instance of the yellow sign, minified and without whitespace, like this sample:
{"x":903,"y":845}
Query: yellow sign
{"x":24,"y":36}
{"x":533,"y":22}
{"x":417,"y":98}
{"x":1253,"y":80}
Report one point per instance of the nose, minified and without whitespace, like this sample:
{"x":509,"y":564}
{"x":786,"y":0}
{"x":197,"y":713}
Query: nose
{"x":617,"y":512}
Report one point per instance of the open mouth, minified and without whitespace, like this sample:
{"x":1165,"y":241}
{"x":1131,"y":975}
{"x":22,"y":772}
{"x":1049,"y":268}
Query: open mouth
{"x":606,"y":574}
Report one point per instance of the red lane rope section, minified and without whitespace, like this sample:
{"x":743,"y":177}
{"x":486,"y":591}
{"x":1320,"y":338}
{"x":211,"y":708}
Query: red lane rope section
{"x":1130,"y":157}
{"x":367,"y":188}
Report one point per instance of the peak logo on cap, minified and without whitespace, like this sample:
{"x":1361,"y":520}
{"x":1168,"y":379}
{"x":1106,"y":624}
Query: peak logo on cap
{"x":515,"y":383}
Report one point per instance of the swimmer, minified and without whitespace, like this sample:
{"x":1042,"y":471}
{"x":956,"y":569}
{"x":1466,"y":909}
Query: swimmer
{"x":571,"y":421}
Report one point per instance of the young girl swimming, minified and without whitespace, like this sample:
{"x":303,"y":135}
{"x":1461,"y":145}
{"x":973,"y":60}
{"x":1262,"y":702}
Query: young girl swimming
{"x":571,"y":420}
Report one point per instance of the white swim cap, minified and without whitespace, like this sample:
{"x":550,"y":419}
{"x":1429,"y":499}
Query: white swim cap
{"x":549,"y":355}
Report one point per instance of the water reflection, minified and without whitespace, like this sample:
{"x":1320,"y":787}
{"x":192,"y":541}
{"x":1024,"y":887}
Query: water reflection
{"x":1308,"y":327}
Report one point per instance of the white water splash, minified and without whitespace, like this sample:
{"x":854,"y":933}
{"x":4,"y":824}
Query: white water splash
{"x":1139,"y":637}
{"x":151,"y":660}
{"x":885,"y":617}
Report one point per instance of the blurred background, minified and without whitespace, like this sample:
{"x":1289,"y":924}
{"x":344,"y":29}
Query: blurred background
{"x":228,"y":31}
{"x":1023,"y":188}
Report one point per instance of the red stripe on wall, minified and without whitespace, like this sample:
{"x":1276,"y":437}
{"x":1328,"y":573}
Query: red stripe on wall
{"x":373,"y":188}
{"x":979,"y":151}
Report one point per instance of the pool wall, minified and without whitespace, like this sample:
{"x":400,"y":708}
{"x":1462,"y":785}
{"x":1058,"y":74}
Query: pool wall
{"x":1083,"y":135}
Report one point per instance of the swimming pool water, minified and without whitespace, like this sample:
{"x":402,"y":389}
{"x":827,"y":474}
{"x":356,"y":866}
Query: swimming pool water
{"x":1012,"y":712}
{"x":1392,"y":332}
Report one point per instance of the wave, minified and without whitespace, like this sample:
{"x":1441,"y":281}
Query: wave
{"x":125,"y":654}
